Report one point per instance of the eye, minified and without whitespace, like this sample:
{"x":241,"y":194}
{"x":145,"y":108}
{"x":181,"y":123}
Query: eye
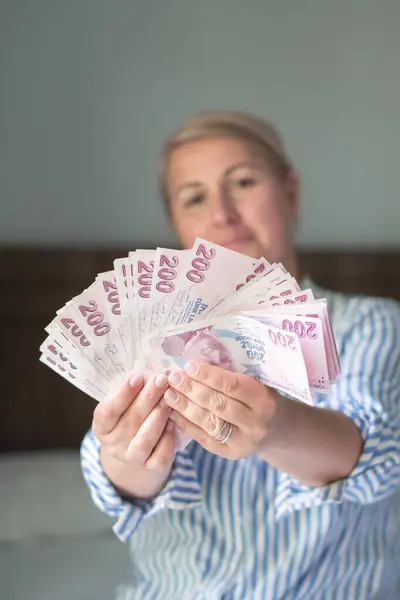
{"x":194,"y":200}
{"x":245,"y":182}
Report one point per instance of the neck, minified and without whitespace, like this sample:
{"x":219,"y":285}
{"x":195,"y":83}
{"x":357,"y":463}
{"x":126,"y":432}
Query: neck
{"x":292,"y":265}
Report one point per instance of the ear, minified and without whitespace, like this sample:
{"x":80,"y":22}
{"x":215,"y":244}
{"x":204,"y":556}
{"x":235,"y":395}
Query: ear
{"x":292,"y":186}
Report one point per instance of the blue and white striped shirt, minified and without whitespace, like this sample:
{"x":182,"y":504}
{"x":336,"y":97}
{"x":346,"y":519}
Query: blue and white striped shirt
{"x":241,"y":530}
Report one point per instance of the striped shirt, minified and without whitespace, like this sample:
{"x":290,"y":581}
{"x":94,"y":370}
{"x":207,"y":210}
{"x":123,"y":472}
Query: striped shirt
{"x":242,"y":530}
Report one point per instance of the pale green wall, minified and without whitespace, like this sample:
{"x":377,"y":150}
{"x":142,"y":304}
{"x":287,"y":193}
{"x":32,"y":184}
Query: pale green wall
{"x":89,"y":89}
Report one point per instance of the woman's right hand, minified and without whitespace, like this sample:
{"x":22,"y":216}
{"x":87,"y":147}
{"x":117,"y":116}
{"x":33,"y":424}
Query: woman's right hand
{"x":137,"y":442}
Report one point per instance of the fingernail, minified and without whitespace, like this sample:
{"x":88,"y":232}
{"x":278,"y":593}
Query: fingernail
{"x":191,"y":368}
{"x":170,"y":396}
{"x":161,"y":380}
{"x":136,"y":380}
{"x":175,"y":378}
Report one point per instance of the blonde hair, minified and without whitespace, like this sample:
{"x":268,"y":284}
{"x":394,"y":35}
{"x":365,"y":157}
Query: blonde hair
{"x":238,"y":125}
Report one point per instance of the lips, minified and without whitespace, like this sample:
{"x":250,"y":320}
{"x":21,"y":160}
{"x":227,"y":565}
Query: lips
{"x":236,"y":243}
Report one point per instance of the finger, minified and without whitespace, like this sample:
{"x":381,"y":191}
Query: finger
{"x":148,"y":435}
{"x":144,"y":403}
{"x":241,"y":387}
{"x":199,"y":435}
{"x":197,"y":415}
{"x":108,"y":413}
{"x":164,"y":452}
{"x":210,"y":399}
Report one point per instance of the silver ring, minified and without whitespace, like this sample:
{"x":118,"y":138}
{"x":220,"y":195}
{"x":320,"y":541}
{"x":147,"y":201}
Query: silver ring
{"x":221,"y":431}
{"x":228,"y":435}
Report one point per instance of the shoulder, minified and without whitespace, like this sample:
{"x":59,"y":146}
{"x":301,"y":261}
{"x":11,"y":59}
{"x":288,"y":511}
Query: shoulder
{"x":349,"y":312}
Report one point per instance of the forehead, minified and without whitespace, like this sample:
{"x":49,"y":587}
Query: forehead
{"x":207,"y":157}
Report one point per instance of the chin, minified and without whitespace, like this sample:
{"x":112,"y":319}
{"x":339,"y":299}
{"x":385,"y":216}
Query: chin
{"x":248,"y":247}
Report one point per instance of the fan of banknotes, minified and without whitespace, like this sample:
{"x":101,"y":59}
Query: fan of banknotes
{"x":158,"y":309}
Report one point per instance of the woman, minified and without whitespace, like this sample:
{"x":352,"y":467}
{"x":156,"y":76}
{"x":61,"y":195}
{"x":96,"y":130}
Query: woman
{"x":274,"y":499}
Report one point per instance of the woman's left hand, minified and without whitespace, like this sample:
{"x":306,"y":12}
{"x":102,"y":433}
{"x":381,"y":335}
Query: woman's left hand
{"x":229,"y":414}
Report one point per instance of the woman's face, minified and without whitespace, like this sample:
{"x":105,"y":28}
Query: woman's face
{"x":222,"y":190}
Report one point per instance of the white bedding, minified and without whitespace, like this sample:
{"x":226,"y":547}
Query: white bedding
{"x":81,"y":568}
{"x":54,"y":543}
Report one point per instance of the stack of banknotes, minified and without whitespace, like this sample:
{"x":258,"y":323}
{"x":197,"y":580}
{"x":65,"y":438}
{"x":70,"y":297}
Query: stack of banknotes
{"x":158,"y":309}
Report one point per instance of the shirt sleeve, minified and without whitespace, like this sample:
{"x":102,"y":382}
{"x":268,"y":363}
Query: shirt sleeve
{"x":368,"y":392}
{"x":182,"y":491}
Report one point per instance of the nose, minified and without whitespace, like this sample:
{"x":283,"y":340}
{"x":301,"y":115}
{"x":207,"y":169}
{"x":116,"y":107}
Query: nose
{"x":224,"y":211}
